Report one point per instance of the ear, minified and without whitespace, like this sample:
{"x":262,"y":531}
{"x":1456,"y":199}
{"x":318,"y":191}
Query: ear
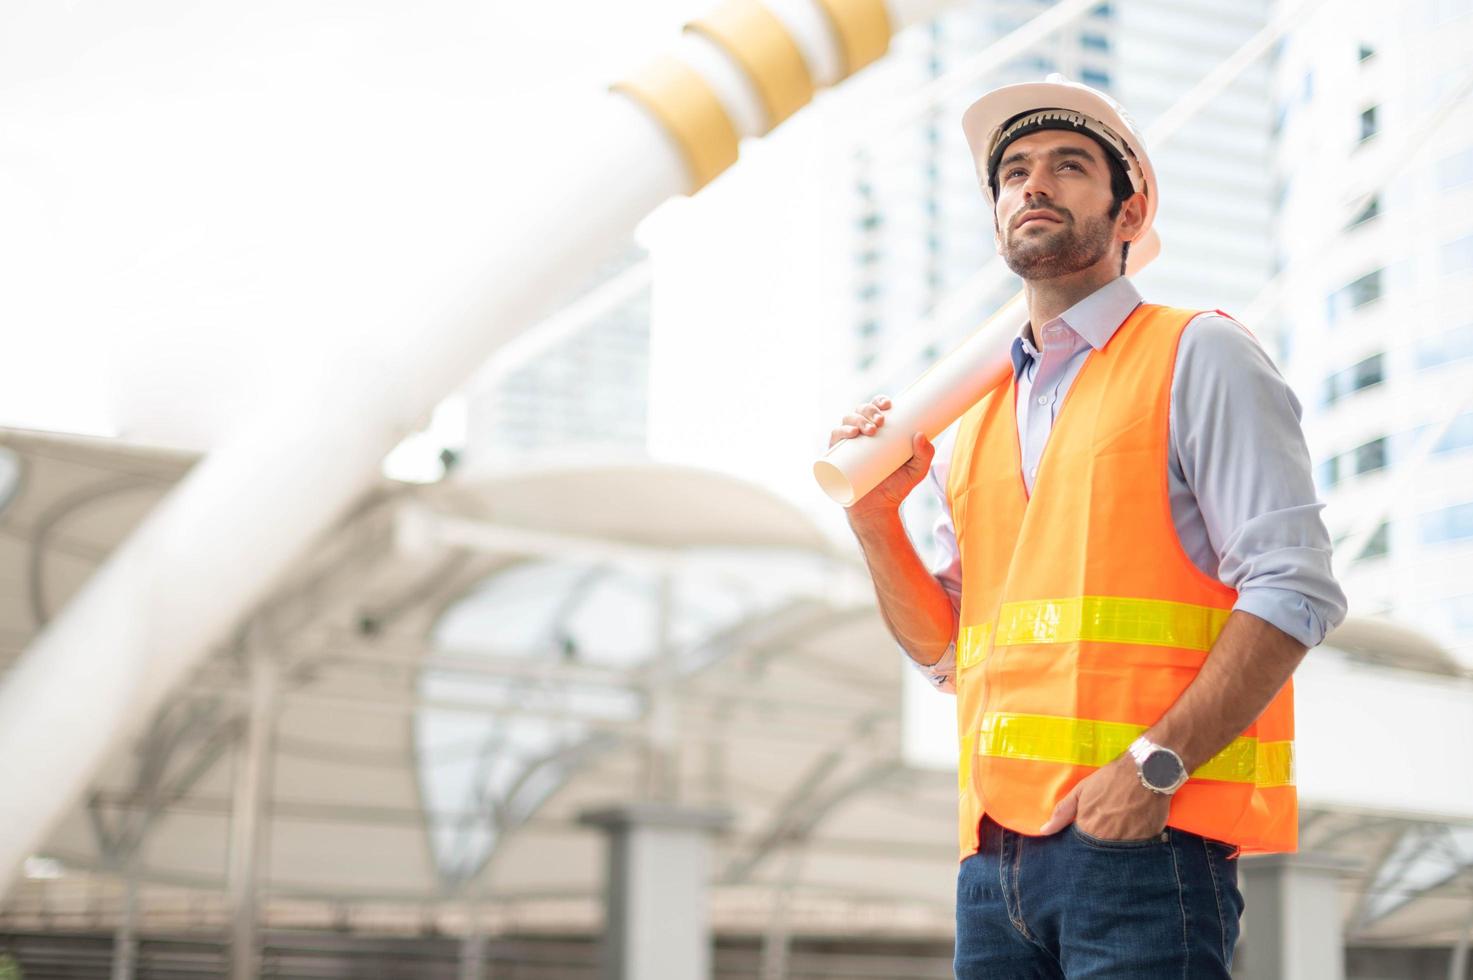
{"x":1132,"y":217}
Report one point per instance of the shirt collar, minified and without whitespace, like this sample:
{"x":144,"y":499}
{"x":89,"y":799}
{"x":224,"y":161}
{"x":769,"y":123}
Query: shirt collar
{"x":1094,"y":318}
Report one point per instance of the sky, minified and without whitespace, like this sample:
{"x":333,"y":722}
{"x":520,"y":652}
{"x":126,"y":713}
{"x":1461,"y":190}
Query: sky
{"x":202,"y":200}
{"x":206,"y":204}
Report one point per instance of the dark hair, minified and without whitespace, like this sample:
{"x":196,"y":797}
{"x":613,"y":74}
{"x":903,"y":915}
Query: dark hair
{"x":1119,"y":183}
{"x":1121,"y":190}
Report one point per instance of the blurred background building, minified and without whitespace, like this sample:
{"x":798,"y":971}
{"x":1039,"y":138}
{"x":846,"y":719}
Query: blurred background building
{"x":1374,"y":253}
{"x":594,"y":603}
{"x":585,"y":390}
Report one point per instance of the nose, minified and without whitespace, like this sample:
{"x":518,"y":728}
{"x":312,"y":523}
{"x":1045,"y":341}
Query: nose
{"x":1034,"y":188}
{"x":1039,"y":182}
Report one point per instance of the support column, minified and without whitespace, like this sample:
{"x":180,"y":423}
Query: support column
{"x":1457,"y":968}
{"x":247,"y":821}
{"x":777,"y":942}
{"x":1292,"y":923}
{"x":657,"y":924}
{"x":473,"y":943}
{"x":473,"y":954}
{"x":125,"y":940}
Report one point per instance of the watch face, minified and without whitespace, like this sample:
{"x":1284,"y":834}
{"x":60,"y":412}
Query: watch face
{"x":1161,"y":769}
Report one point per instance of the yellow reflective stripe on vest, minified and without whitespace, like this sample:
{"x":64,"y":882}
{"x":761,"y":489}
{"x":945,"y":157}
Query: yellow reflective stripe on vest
{"x":1083,"y":742}
{"x":964,"y":763}
{"x":971,"y":645}
{"x":1110,"y":619}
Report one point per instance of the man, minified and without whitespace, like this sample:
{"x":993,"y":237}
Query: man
{"x":1136,"y":566}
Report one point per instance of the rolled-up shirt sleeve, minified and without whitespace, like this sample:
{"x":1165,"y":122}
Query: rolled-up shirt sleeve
{"x":948,"y":568}
{"x":1241,"y":452}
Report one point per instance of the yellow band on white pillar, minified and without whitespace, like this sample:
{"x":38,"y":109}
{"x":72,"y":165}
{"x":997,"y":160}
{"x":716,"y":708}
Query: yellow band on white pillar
{"x":762,"y":47}
{"x":863,"y":28}
{"x":761,"y":44}
{"x":688,"y":109}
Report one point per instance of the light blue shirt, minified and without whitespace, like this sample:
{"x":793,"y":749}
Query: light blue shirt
{"x":1238,"y":470}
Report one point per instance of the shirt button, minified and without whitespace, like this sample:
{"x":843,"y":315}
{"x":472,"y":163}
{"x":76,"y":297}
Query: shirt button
{"x":1033,"y":473}
{"x":1043,"y":399}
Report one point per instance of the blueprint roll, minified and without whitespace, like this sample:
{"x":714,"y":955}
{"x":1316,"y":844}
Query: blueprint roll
{"x":854,"y":467}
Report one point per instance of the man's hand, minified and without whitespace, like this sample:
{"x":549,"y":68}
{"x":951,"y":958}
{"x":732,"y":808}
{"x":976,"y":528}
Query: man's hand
{"x":885,"y":498}
{"x":1111,"y":804}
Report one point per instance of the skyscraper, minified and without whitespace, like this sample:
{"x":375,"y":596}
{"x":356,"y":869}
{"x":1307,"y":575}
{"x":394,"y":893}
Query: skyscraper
{"x":1375,"y":231}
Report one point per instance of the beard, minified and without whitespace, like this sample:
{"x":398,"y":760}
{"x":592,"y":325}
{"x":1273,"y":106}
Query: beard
{"x":1065,"y":249}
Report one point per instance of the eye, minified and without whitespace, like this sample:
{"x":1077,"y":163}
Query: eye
{"x":1070,"y":163}
{"x":1015,"y":172}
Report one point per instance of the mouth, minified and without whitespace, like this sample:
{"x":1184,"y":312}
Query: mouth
{"x":1038,"y":216}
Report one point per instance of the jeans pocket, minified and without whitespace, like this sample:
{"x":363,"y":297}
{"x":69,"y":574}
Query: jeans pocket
{"x":1101,"y":844}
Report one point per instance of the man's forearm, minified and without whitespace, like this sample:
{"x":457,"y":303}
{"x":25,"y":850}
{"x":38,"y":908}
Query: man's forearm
{"x":913,"y":604}
{"x":1245,"y":668}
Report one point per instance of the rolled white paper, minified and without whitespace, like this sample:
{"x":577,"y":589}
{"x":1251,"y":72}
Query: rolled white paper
{"x":854,"y":467}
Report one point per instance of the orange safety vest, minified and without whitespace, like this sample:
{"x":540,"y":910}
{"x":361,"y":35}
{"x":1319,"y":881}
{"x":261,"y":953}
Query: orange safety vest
{"x":1082,"y":618}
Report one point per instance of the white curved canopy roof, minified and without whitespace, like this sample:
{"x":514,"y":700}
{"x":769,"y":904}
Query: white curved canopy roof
{"x":467,"y":667}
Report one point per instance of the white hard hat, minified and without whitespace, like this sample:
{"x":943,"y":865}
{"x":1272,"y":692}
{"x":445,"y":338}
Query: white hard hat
{"x":1005,"y":113}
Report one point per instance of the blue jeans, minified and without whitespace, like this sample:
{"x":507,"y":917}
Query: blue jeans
{"x":1070,"y":905}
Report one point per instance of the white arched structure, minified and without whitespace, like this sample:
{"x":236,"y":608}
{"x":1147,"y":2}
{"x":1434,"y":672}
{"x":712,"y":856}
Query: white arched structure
{"x":782,"y":704}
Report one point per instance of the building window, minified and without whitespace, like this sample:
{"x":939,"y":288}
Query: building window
{"x":1449,"y":524}
{"x":1103,"y":10}
{"x":1456,"y":170}
{"x":1451,"y":345}
{"x":1327,"y":474}
{"x":1368,"y":124}
{"x":1371,"y":371}
{"x":1095,"y":42}
{"x":1448,"y":10}
{"x":1370,"y":456}
{"x":1355,"y":294}
{"x":1362,"y":374}
{"x":1365,"y":52}
{"x":1281,"y":116}
{"x":1457,"y":255}
{"x":1095,"y":77}
{"x":1378,"y":544}
{"x":1459,"y":435}
{"x":1371,"y":210}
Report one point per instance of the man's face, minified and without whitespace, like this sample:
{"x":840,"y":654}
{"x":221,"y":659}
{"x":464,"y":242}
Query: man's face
{"x":1053,"y":204}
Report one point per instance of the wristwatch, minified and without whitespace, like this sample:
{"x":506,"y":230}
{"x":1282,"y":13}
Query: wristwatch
{"x":1161,"y":770}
